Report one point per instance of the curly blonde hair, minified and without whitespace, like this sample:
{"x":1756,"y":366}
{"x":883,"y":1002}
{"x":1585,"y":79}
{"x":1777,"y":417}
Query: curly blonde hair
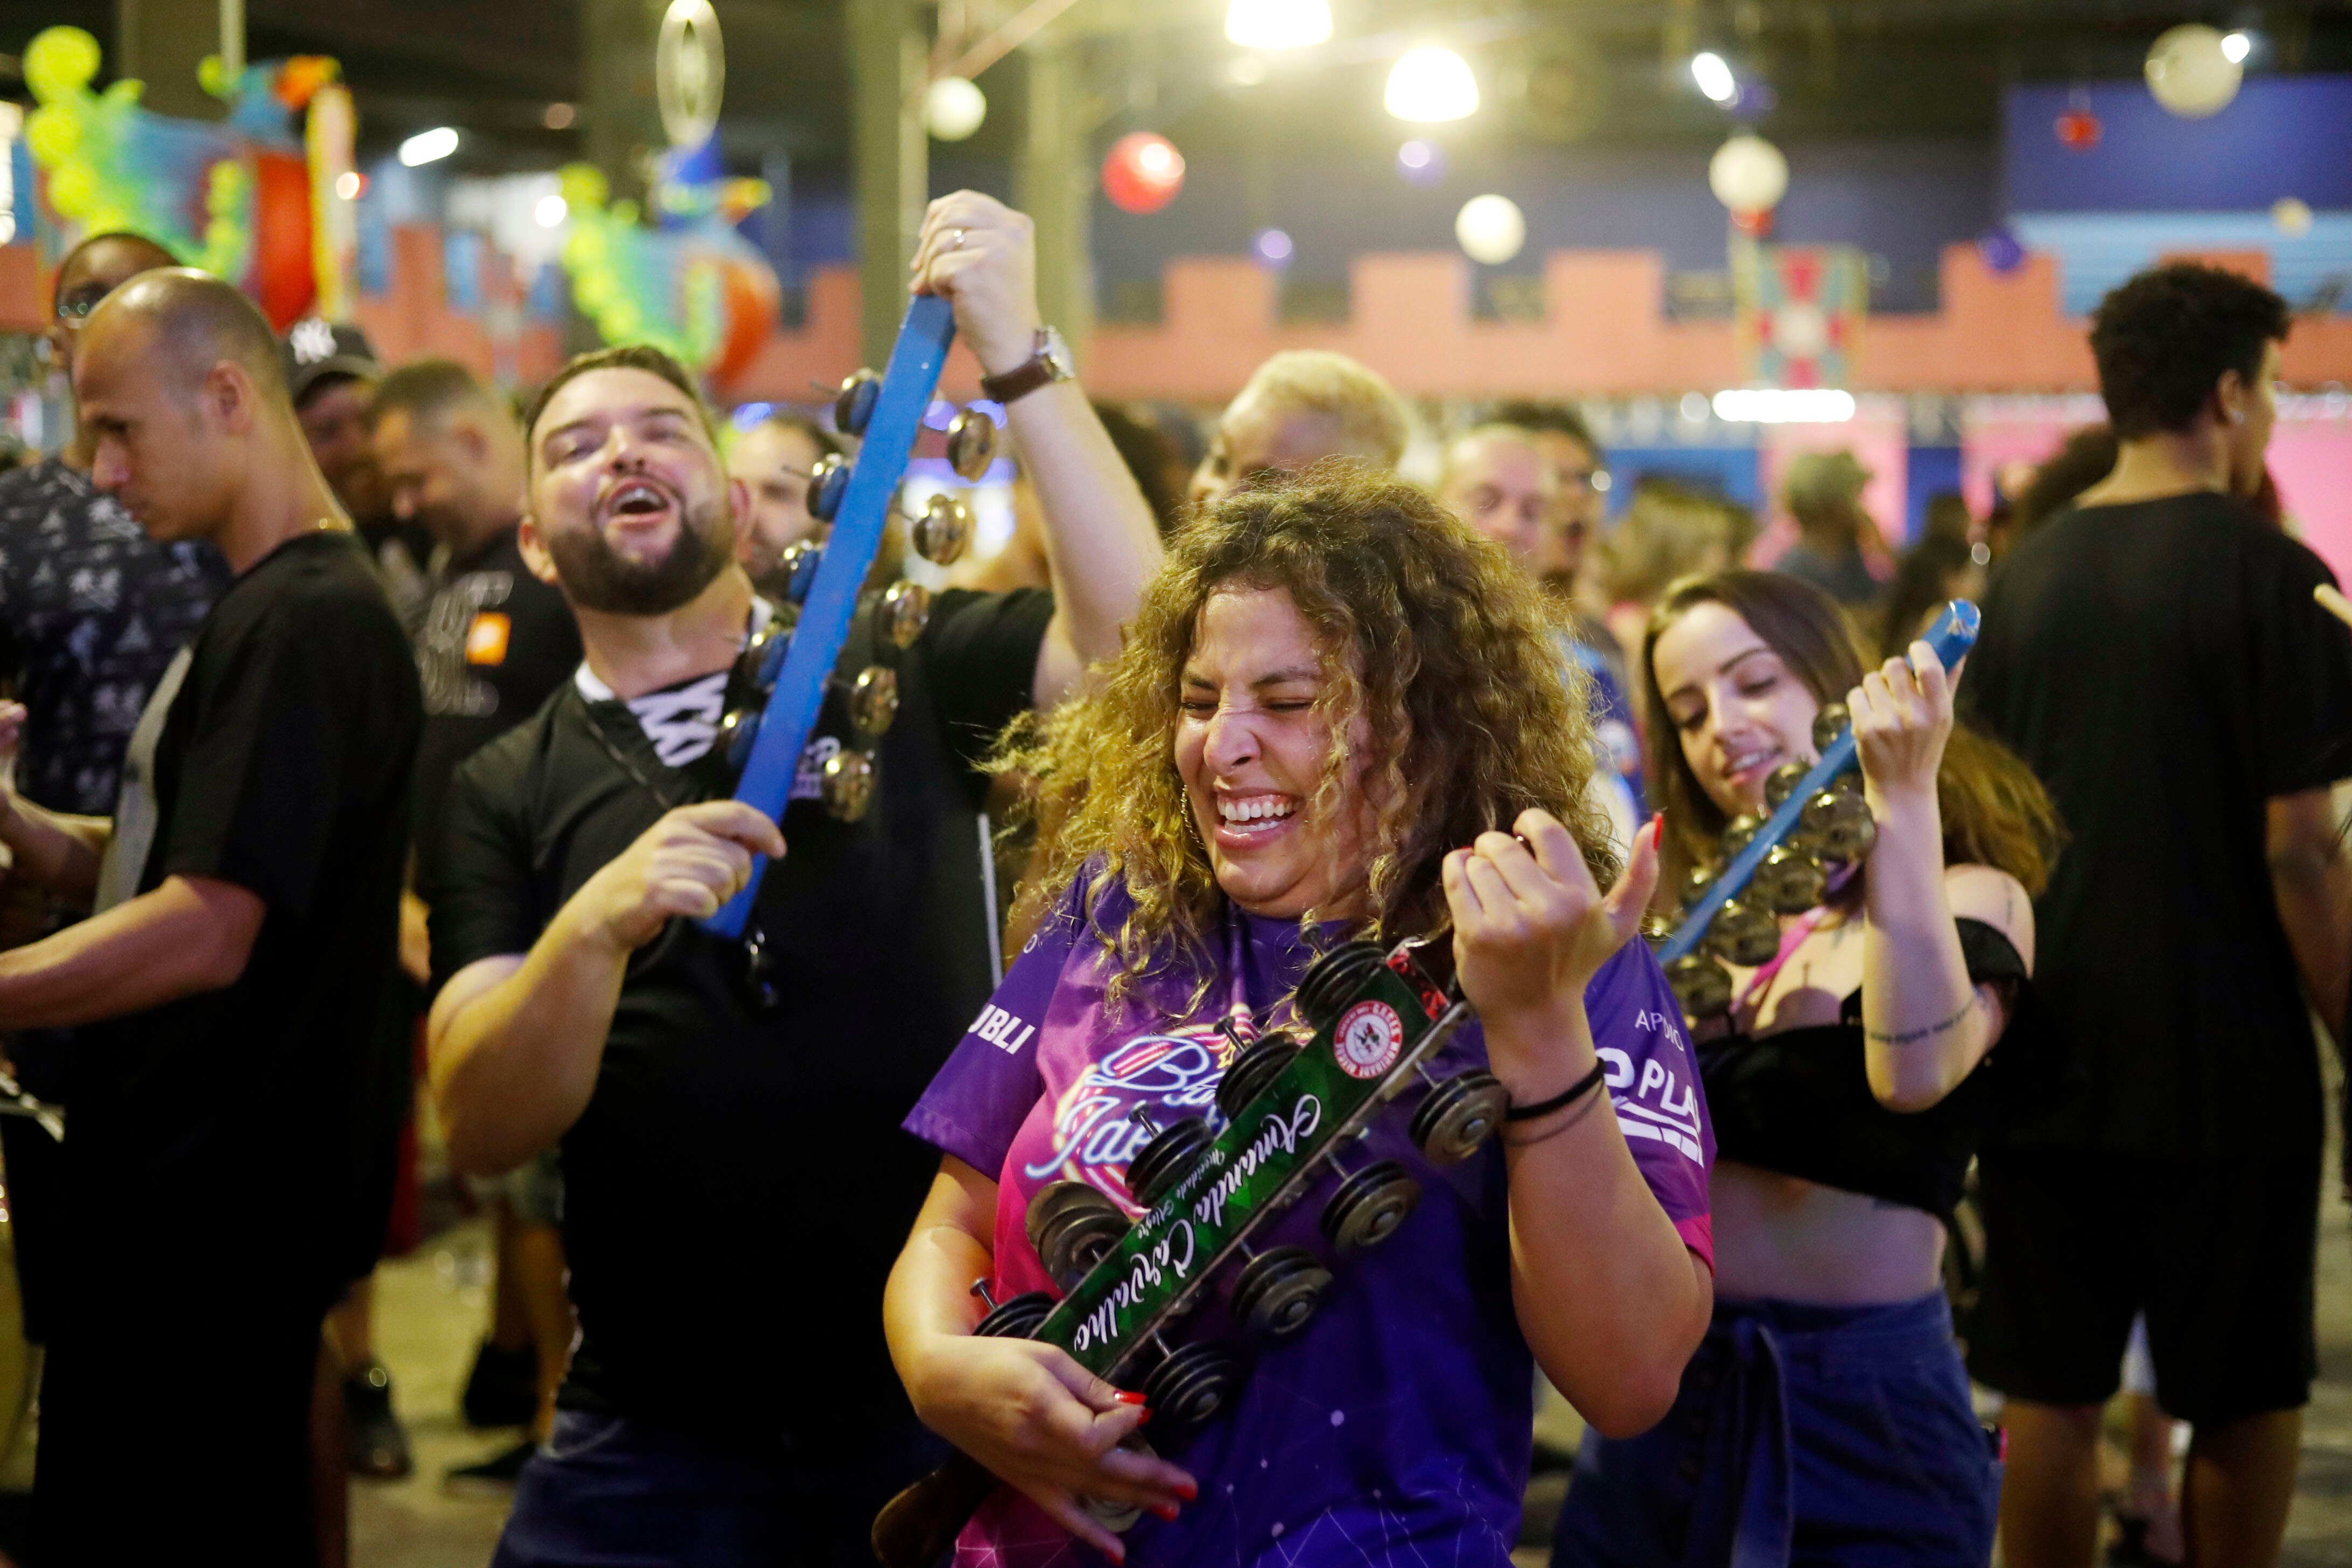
{"x":1429,"y":635}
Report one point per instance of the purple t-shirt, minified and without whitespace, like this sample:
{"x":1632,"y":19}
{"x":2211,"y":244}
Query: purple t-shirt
{"x":1395,"y":1427}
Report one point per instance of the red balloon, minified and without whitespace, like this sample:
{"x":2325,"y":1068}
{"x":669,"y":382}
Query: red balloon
{"x":2079,"y":130}
{"x":283,"y":278}
{"x":1143,"y":173}
{"x":752,"y":302}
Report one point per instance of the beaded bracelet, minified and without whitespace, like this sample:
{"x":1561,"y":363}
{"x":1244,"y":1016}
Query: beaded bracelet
{"x":1562,"y":1100}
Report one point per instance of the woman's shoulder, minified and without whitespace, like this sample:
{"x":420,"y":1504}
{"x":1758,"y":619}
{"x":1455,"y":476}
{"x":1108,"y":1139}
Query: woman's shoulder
{"x":1993,"y":897}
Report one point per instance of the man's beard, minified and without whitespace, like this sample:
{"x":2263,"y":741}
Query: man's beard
{"x":598,"y":577}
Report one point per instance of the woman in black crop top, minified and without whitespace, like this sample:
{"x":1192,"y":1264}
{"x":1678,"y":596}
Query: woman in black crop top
{"x":1826,"y":1419}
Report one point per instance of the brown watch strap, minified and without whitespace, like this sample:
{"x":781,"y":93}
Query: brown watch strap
{"x":1019,"y":382}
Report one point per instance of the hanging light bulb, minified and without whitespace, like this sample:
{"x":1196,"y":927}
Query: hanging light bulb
{"x":1277,"y":24}
{"x":1714,"y":76}
{"x":1432,"y":84}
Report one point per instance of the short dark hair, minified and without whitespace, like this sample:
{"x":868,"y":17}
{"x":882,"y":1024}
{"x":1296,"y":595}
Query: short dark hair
{"x":159,"y":254}
{"x":2163,"y":339}
{"x":1545,"y":418}
{"x":625,"y":356}
{"x":427,"y":389}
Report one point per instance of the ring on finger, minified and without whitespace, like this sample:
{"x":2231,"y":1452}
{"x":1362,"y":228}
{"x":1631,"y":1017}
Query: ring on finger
{"x":957,"y":243}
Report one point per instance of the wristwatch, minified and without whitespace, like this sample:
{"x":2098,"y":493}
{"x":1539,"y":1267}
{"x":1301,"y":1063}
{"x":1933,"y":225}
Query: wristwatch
{"x":1048,"y":362}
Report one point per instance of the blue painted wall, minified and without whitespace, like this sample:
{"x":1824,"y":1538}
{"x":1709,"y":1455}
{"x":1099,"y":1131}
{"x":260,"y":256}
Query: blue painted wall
{"x":2282,"y":136}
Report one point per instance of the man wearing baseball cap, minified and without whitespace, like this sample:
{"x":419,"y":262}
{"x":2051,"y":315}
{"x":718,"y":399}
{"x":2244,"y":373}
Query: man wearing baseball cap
{"x":331,"y":372}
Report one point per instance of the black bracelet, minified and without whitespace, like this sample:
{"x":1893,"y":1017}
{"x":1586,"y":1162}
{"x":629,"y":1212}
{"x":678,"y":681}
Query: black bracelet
{"x":1562,"y":1100}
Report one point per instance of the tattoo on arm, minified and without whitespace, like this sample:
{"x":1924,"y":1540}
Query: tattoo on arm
{"x":1913,"y":1037}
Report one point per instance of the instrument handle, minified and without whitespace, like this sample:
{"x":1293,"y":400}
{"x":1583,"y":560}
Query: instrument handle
{"x":918,"y":1527}
{"x":825,"y":619}
{"x":1954,"y":633}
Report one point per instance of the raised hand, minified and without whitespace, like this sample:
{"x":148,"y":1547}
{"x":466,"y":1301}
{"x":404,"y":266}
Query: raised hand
{"x":687,"y":864}
{"x":1041,"y":1423}
{"x":1902,"y":717}
{"x":1530,"y":928}
{"x":982,"y":256}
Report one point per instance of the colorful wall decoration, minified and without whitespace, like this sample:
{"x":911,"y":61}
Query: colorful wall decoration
{"x":242,"y":199}
{"x":1799,"y":311}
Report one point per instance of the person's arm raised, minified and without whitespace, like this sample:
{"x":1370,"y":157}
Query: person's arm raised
{"x":515,"y":1040}
{"x":1610,"y":1299}
{"x":1101,"y":541}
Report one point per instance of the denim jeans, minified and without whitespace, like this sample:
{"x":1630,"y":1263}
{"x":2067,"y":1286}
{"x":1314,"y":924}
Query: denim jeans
{"x":1820,"y":1437}
{"x":609,"y":1492}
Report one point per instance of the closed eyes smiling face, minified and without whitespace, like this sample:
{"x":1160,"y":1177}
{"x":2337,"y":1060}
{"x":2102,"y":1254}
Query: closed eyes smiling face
{"x":1738,"y":711}
{"x":1250,"y":747}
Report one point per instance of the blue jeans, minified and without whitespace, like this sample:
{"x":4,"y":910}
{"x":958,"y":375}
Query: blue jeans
{"x":1820,"y":1437}
{"x":609,"y":1492}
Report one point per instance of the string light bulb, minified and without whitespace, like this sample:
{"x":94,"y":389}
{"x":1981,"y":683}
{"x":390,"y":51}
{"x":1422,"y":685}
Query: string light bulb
{"x":1277,"y":24}
{"x":1432,"y":84}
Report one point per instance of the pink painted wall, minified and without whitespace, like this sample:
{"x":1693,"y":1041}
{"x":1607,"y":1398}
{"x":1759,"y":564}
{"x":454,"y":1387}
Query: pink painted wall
{"x":1605,"y":333}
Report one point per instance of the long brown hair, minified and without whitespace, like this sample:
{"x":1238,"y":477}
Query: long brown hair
{"x":1429,"y":635}
{"x":1995,"y":812}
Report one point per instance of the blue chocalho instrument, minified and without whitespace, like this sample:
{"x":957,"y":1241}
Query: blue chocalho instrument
{"x":788,"y":667}
{"x":1781,"y":865}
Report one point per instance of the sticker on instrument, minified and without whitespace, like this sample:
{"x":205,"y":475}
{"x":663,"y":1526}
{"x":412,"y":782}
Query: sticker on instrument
{"x":1367,"y":1039}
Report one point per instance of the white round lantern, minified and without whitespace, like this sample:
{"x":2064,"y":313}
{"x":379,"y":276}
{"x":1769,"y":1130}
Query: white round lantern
{"x":1490,"y":228}
{"x":953,"y":108}
{"x":2291,"y":216}
{"x":2190,"y":72}
{"x":1748,"y":173}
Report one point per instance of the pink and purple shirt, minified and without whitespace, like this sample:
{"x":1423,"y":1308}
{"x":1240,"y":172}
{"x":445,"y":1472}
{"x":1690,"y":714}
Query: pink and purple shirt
{"x":1395,"y":1427}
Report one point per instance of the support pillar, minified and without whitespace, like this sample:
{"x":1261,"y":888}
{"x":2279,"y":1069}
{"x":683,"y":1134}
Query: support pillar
{"x":620,"y":115}
{"x":1051,"y":182}
{"x":162,"y":42}
{"x":888,"y":69}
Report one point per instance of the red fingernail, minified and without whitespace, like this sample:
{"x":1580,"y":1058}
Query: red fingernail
{"x":1187,"y":1491}
{"x":1143,"y":1418}
{"x":1166,"y":1511}
{"x":1127,"y":1397}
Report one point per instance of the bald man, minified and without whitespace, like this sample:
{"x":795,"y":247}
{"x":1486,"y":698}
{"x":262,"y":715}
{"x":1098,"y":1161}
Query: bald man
{"x":234,"y":1103}
{"x":1301,"y":406}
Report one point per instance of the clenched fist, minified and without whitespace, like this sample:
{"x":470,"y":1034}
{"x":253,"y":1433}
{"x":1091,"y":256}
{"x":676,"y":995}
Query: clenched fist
{"x":687,"y":864}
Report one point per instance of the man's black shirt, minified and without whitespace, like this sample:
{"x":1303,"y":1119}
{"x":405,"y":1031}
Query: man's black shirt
{"x":738,"y":1187}
{"x":494,"y":641}
{"x":283,"y":767}
{"x":2162,"y":667}
{"x":91,"y":609}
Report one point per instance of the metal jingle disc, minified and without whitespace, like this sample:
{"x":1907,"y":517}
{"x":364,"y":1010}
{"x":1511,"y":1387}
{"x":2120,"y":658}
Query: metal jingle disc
{"x":1784,"y":781}
{"x":1056,"y":1198}
{"x":1701,"y":984}
{"x":972,"y":444}
{"x":1253,"y":1071}
{"x":1160,"y":1163}
{"x":943,"y":532}
{"x":1276,"y":1292}
{"x":1831,"y":721}
{"x":1743,"y":933}
{"x":1459,"y":1116}
{"x":1369,"y":1205}
{"x":828,"y":483}
{"x":1078,"y":1239}
{"x":1192,"y":1384}
{"x":1332,"y":981}
{"x":852,"y":405}
{"x":1839,"y":822}
{"x":1697,"y":880}
{"x":1788,"y":882}
{"x":1017,"y":1319}
{"x":874,"y":701}
{"x":763,"y":655}
{"x":1738,"y":832}
{"x":848,"y":785}
{"x":738,"y":732}
{"x":796,"y":567}
{"x":1118,"y":1517}
{"x":904,"y":611}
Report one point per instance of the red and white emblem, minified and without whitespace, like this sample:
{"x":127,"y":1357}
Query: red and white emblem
{"x":1367,"y":1039}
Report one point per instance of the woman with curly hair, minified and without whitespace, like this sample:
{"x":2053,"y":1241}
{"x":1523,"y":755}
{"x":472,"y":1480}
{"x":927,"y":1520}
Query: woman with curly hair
{"x":1826,"y":1419}
{"x":1335,"y":710}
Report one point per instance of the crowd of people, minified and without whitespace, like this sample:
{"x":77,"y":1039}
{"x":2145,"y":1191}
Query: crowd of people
{"x":366,"y":776}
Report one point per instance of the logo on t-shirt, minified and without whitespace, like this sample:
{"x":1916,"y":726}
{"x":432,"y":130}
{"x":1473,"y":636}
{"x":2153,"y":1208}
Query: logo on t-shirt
{"x":1367,"y":1039}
